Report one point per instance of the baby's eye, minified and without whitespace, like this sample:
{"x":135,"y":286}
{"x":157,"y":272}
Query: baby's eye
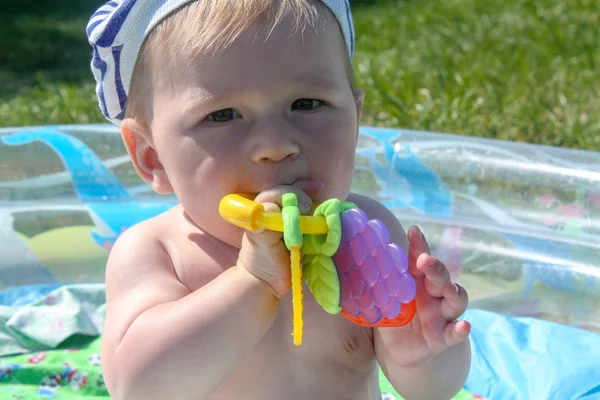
{"x":224,"y":115}
{"x":306,"y":104}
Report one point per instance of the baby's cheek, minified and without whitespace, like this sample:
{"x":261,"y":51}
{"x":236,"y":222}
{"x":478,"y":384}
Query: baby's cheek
{"x":340,"y":173}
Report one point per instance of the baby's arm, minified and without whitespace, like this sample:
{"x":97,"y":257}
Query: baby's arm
{"x":162,"y":341}
{"x":430,"y":357}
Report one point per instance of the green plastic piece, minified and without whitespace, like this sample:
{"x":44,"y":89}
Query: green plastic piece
{"x":319,"y":271}
{"x":292,"y":236}
{"x":321,"y":276}
{"x":328,"y":244}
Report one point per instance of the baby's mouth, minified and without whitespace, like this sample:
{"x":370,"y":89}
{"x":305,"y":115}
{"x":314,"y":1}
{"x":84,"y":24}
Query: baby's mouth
{"x":312,"y":187}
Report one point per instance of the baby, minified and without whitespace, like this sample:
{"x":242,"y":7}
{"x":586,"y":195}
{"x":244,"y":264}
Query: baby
{"x":225,"y":96}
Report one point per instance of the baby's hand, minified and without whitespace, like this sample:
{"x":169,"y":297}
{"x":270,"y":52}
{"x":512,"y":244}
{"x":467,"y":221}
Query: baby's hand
{"x":439,"y":303}
{"x":263,"y":252}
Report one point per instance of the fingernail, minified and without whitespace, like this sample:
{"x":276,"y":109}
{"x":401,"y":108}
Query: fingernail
{"x":455,"y":286}
{"x":304,"y":208}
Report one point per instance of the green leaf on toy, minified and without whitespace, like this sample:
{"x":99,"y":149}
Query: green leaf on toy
{"x":319,"y":270}
{"x":321,"y":276}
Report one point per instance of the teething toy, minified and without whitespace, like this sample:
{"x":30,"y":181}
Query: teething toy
{"x":347,"y":260}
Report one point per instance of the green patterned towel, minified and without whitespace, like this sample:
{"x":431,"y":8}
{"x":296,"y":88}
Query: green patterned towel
{"x":67,"y":373}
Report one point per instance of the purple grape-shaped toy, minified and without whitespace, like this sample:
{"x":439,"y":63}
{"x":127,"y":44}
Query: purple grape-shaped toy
{"x":376,"y":288}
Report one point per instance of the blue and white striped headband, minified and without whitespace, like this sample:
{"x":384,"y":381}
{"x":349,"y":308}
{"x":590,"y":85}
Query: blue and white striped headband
{"x":117,"y":30}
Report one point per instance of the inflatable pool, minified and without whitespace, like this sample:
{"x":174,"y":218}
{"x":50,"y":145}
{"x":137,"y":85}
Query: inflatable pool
{"x":517,"y":224}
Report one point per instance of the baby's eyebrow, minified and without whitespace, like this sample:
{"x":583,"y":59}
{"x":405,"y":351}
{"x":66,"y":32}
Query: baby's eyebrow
{"x":199,"y":99}
{"x":314,"y":81}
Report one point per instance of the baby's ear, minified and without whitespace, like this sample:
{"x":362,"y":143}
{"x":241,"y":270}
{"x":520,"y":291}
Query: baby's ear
{"x":138,"y":141}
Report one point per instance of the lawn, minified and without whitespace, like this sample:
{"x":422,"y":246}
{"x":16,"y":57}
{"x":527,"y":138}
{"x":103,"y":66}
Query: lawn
{"x":525,"y":70}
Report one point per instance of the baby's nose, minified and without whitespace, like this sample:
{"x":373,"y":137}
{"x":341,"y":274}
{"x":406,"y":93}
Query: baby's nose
{"x":275,"y":153}
{"x":274,"y":146}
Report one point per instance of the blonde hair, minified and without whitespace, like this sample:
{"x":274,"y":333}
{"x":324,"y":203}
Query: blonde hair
{"x":207,"y":27}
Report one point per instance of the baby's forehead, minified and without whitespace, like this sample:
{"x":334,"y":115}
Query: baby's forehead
{"x":183,"y":39}
{"x":242,"y":69}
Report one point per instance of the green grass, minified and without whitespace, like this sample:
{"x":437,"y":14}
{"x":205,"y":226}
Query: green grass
{"x":525,"y":70}
{"x":45,"y":76}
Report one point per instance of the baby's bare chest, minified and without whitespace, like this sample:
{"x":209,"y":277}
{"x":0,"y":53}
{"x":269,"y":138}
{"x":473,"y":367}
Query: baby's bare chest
{"x":199,"y":262}
{"x":335,"y":361}
{"x":336,"y":358}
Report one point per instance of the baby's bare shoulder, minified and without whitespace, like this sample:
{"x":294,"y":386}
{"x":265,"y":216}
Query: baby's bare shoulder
{"x":168,"y":248}
{"x":140,"y":262}
{"x":141,"y":244}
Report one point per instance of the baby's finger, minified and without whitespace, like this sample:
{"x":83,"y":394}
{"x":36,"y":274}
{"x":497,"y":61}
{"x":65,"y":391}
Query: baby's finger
{"x":418,"y":243}
{"x":275,"y":193}
{"x":417,"y":246}
{"x":455,"y":301}
{"x":436,"y":274}
{"x":455,"y":332}
{"x":271,"y":207}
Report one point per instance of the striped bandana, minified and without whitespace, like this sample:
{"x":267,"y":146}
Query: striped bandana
{"x":118,"y":28}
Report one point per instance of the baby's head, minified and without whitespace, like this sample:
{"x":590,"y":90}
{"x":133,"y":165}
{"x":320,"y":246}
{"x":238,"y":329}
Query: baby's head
{"x":223,"y":96}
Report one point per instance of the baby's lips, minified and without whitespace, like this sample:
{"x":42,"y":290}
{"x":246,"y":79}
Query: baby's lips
{"x":311,"y":187}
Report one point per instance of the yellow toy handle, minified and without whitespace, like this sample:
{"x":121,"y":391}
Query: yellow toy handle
{"x":240,"y":210}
